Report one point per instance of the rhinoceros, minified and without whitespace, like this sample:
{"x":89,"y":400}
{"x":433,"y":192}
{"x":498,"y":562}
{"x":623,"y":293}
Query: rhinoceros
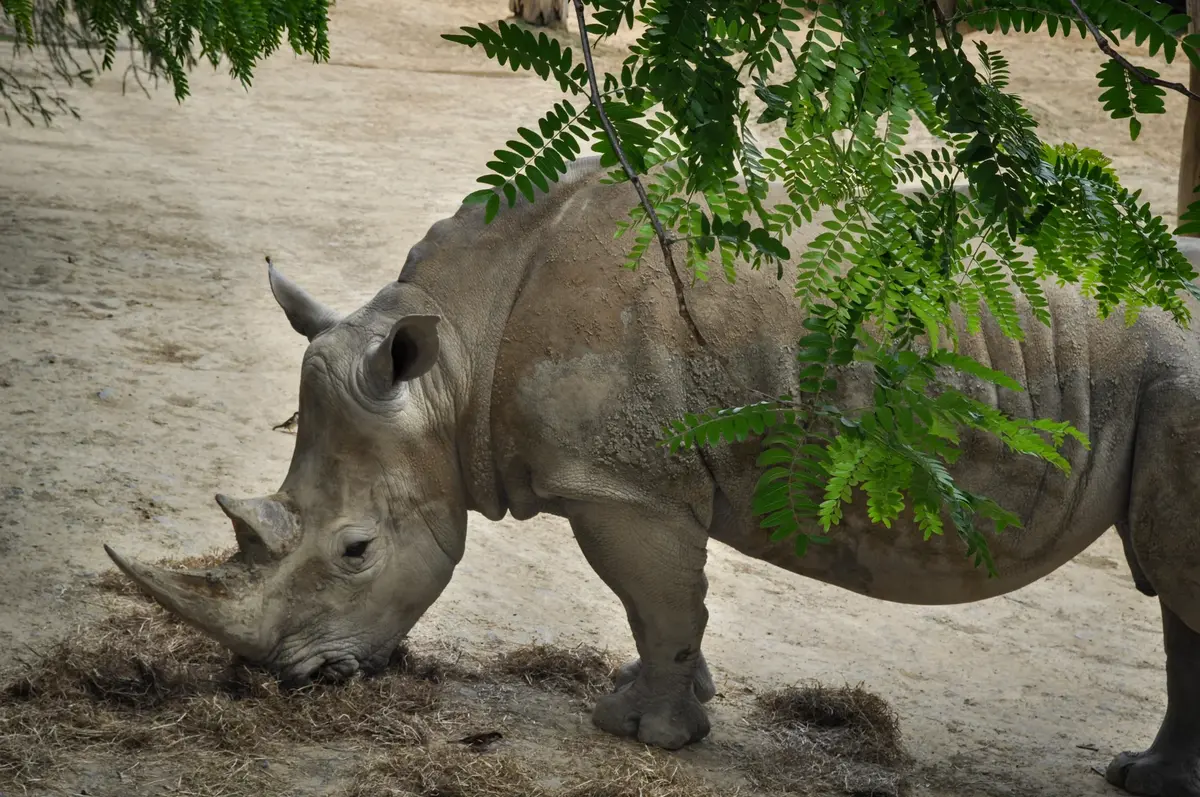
{"x":516,"y":368}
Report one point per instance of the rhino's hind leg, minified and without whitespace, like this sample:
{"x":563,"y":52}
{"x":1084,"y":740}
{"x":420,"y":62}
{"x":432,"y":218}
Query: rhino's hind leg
{"x":655,"y":565}
{"x":1161,"y":544}
{"x":1171,"y":766}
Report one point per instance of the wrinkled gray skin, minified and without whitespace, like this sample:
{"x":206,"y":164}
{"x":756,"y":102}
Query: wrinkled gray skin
{"x":517,"y":368}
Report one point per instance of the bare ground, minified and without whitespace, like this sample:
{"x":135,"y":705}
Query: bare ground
{"x":144,"y":364}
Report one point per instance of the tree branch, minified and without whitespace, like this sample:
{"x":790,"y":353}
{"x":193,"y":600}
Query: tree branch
{"x":1108,"y":50}
{"x":940,"y":18}
{"x":30,"y":99}
{"x":665,"y":239}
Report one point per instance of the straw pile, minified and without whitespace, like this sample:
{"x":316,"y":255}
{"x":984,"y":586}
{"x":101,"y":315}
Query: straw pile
{"x":823,"y":738}
{"x":144,"y":694}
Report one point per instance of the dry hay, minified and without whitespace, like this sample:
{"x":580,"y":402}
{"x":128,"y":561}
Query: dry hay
{"x":141,"y":686}
{"x":823,"y":738}
{"x":650,"y":773}
{"x":582,"y":671}
{"x":446,"y":771}
{"x":144,"y":683}
{"x":452,"y":771}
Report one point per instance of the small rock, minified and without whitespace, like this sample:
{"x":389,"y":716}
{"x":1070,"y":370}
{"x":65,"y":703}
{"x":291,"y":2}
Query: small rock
{"x":107,"y":394}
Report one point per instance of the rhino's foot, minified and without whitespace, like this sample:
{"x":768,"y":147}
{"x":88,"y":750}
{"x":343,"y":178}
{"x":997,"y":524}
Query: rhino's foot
{"x":702,"y":681}
{"x":1152,"y":774}
{"x":669,"y":721}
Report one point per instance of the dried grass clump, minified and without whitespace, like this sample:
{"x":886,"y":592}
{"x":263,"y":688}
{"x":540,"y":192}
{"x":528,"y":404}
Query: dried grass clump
{"x":647,"y":774}
{"x":823,"y":738}
{"x":581,"y":671}
{"x":451,"y":771}
{"x":446,"y":771}
{"x":861,"y":724}
{"x":117,"y":583}
{"x":145,"y":682}
{"x":436,"y":669}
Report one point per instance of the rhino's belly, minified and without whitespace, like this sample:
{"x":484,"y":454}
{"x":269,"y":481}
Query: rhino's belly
{"x":1061,"y":516}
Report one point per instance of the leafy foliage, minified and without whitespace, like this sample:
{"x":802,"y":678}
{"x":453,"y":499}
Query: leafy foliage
{"x":718,"y":99}
{"x":168,"y":38}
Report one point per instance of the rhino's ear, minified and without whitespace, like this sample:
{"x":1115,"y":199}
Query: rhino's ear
{"x":306,"y":315}
{"x":408,"y":352}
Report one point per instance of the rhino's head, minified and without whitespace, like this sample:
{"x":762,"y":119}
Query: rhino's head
{"x":363,"y":535}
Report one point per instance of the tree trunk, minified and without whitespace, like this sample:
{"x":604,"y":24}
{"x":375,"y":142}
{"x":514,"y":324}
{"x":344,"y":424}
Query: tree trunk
{"x":545,"y":13}
{"x":1189,"y":161}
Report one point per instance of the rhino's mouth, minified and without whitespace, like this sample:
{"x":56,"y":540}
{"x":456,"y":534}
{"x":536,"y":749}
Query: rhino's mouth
{"x":320,"y":670}
{"x":334,"y":668}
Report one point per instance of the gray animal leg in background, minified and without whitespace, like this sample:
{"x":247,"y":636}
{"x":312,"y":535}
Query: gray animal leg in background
{"x":655,"y":565}
{"x":1171,"y":766}
{"x":1161,"y":529}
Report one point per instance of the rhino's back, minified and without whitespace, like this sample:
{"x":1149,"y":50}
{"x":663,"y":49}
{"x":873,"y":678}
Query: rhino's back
{"x":596,"y":359}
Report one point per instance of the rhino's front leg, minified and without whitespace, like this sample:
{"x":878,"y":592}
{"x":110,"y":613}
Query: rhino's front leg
{"x":655,"y":565}
{"x":1171,"y":766}
{"x":702,"y":682}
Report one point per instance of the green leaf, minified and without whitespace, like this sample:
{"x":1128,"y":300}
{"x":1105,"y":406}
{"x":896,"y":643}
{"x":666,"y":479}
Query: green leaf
{"x":896,"y":282}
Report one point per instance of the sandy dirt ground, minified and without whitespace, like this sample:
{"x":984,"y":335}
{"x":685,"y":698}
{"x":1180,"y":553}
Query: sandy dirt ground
{"x":144,"y":363}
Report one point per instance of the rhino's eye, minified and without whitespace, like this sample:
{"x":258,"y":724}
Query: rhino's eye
{"x":356,"y":549}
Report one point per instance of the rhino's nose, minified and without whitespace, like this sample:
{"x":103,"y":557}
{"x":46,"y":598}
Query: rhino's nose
{"x":336,"y":671}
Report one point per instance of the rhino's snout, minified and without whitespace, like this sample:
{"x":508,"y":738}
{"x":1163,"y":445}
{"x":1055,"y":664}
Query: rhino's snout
{"x":332,"y":669}
{"x":338,"y":670}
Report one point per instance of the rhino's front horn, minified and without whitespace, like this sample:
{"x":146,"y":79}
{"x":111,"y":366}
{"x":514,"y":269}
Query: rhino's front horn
{"x":264,"y":527}
{"x":222,"y":603}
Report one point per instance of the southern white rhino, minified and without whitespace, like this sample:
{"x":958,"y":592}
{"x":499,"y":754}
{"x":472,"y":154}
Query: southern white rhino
{"x":517,"y":368}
